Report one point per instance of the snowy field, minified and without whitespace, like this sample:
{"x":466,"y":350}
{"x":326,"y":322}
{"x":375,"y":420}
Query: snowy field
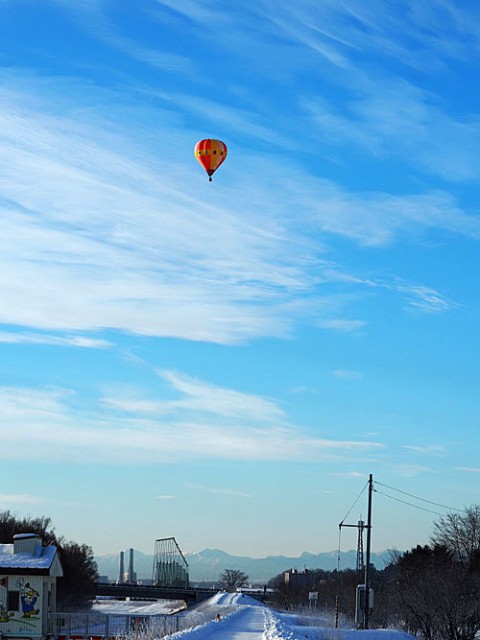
{"x":244,"y":618}
{"x":137,"y":607}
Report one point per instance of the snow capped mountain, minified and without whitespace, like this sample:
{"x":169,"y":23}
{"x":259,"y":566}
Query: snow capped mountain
{"x":206,"y":565}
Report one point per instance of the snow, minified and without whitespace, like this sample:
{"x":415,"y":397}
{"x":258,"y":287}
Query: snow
{"x":10,"y":560}
{"x":243,"y":618}
{"x":137,"y":607}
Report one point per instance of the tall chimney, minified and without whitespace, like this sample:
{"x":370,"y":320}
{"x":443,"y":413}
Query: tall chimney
{"x":131,"y":573}
{"x":121,"y":576}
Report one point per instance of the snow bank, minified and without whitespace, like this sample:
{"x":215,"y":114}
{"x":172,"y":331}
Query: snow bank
{"x":202,"y":631}
{"x":275,"y":628}
{"x":232,"y":599}
{"x":137,"y":607}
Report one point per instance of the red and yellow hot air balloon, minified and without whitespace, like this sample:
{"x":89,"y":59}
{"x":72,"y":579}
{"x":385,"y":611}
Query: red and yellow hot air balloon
{"x":210,"y":154}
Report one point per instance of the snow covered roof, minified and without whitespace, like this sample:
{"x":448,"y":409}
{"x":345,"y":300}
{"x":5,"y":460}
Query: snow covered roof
{"x":43,"y":562}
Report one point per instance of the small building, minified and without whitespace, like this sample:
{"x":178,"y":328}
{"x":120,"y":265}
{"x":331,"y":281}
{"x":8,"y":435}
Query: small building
{"x":28,"y":586}
{"x":298,"y":579}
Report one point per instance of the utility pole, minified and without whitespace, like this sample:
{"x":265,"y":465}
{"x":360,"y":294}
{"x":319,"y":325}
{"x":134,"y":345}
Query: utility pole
{"x":367,"y":564}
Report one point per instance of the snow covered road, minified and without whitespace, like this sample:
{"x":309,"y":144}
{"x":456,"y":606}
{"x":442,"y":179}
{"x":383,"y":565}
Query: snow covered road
{"x":241,"y":618}
{"x":248,"y":623}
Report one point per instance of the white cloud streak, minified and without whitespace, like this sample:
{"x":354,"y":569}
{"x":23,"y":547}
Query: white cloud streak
{"x":411,"y":470}
{"x":223,"y":491}
{"x":15,"y":499}
{"x":346,"y":374}
{"x":104,"y":235}
{"x":433,"y":449}
{"x":399,"y":120}
{"x":60,"y":341}
{"x":57,"y":425}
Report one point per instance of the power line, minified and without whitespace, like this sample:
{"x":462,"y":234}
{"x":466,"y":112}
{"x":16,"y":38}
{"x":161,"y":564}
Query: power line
{"x":349,"y":511}
{"x":341,"y":524}
{"x":415,"y":506}
{"x":410,"y":495}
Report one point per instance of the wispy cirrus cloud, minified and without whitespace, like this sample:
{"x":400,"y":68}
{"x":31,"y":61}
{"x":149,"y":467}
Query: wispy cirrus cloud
{"x":19,"y":499}
{"x":199,"y":12}
{"x":101,"y":237}
{"x":425,"y":299}
{"x":415,"y":296}
{"x":411,"y":470}
{"x":346,"y":374}
{"x":85,"y":342}
{"x":341,"y":324}
{"x":197,"y":397}
{"x":432,"y":449}
{"x":219,"y":491}
{"x":377,"y":219}
{"x":161,"y":252}
{"x":350,"y":474}
{"x":339,"y":32}
{"x":203,"y":397}
{"x":343,"y":33}
{"x":398,"y":120}
{"x":57,"y":423}
{"x":383,"y":112}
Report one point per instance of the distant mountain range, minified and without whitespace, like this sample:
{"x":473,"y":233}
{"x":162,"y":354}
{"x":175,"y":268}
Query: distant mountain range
{"x":207,"y":565}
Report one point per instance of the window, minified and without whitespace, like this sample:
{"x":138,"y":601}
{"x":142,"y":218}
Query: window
{"x":13,"y":600}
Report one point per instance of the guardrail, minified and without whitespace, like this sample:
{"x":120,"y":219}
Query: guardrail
{"x":102,"y":626}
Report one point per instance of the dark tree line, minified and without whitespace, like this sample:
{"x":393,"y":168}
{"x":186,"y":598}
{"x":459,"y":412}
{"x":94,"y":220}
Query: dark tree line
{"x":79,"y":568}
{"x":432,"y":591}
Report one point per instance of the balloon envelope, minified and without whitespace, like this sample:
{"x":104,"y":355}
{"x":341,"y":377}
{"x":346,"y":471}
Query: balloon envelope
{"x":210,"y":154}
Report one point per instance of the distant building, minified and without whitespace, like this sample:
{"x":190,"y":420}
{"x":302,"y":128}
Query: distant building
{"x":130,"y":576}
{"x":298,"y":579}
{"x":28,"y":586}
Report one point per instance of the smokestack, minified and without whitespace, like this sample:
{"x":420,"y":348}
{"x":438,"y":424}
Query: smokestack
{"x":131,"y":573}
{"x":121,"y":576}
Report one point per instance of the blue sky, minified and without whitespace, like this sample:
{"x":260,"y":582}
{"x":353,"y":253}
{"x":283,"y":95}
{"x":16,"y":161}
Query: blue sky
{"x":226,"y":363}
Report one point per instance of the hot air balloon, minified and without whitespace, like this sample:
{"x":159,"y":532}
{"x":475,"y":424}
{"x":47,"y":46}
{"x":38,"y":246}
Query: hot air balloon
{"x":210,"y":154}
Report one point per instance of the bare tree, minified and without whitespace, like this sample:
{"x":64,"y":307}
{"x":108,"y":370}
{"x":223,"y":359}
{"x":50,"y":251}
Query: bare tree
{"x":460,"y":533}
{"x":232,"y":579}
{"x":437,"y":595}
